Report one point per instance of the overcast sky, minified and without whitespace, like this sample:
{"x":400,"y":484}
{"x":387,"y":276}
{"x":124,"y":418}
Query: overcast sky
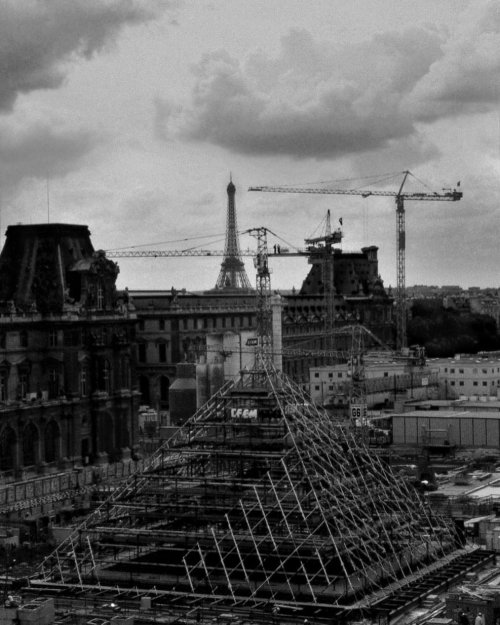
{"x":129,"y":117}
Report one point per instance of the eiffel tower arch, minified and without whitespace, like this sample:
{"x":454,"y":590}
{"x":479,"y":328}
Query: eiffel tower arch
{"x":232,"y":276}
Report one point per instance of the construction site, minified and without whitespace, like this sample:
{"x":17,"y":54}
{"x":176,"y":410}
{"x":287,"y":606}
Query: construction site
{"x":260,"y":502}
{"x":262,"y":507}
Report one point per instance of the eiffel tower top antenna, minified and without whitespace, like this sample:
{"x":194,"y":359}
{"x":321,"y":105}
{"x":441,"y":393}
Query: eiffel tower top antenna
{"x":232,"y":276}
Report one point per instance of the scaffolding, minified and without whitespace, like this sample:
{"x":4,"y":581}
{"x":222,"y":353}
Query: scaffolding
{"x":260,"y":499}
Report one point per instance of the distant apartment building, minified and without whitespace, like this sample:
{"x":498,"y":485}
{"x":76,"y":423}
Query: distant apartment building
{"x":486,"y":304}
{"x":468,"y":376}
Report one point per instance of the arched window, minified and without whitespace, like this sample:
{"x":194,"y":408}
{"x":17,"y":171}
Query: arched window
{"x":7,"y":449}
{"x":30,"y":445}
{"x":52,"y":441}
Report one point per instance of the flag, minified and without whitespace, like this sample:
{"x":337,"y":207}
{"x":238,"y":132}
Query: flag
{"x":340,"y":221}
{"x":458,"y":183}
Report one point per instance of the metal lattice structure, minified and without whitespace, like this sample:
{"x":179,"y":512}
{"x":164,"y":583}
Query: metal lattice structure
{"x":232,"y":275}
{"x":400,"y":198}
{"x":260,"y":498}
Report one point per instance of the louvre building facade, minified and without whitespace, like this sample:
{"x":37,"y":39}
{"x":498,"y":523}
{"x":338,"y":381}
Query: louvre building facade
{"x":65,"y":353}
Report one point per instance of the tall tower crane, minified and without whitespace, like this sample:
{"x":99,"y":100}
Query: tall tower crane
{"x":322,"y":246}
{"x":400,"y":197}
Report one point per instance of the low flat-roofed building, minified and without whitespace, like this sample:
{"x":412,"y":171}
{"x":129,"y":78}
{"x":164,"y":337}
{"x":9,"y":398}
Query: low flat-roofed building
{"x":468,"y":376}
{"x":433,"y":404}
{"x":480,"y":403}
{"x":457,"y":428}
{"x":384,"y":380}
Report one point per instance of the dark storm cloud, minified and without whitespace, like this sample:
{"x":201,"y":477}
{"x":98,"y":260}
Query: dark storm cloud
{"x":322,"y":100}
{"x":38,"y":41}
{"x":38,"y":36}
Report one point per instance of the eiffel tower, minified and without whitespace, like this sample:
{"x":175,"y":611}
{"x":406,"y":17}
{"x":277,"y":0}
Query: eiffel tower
{"x":260,"y":500}
{"x":232,"y":276}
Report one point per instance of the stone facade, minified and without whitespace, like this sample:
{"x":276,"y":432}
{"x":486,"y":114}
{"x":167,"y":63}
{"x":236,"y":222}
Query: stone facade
{"x":66,"y":370}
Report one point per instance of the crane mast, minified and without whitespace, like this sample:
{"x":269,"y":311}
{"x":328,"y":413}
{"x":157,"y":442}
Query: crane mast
{"x":400,"y":197}
{"x":264,"y":352}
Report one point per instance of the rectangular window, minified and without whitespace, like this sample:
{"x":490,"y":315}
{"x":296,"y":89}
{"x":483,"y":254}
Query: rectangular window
{"x":4,"y":378}
{"x":485,"y":383}
{"x":330,"y":375}
{"x":452,"y":370}
{"x":23,"y":383}
{"x":339,"y":375}
{"x":100,"y":298}
{"x":460,"y":371}
{"x":52,"y":338}
{"x":316,"y":375}
{"x":386,"y":375}
{"x":162,"y":352}
{"x":452,"y":383}
{"x":83,"y":382}
{"x":316,"y":388}
{"x":461,"y":383}
{"x":106,"y":375}
{"x":161,"y":324}
{"x":474,"y":383}
{"x":53,"y":383}
{"x":142,"y":352}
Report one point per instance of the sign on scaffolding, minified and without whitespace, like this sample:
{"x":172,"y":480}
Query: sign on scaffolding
{"x":244,"y":413}
{"x":358,"y":413}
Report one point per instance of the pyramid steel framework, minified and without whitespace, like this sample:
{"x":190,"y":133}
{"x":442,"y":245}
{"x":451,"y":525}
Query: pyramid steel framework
{"x":261,"y":498}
